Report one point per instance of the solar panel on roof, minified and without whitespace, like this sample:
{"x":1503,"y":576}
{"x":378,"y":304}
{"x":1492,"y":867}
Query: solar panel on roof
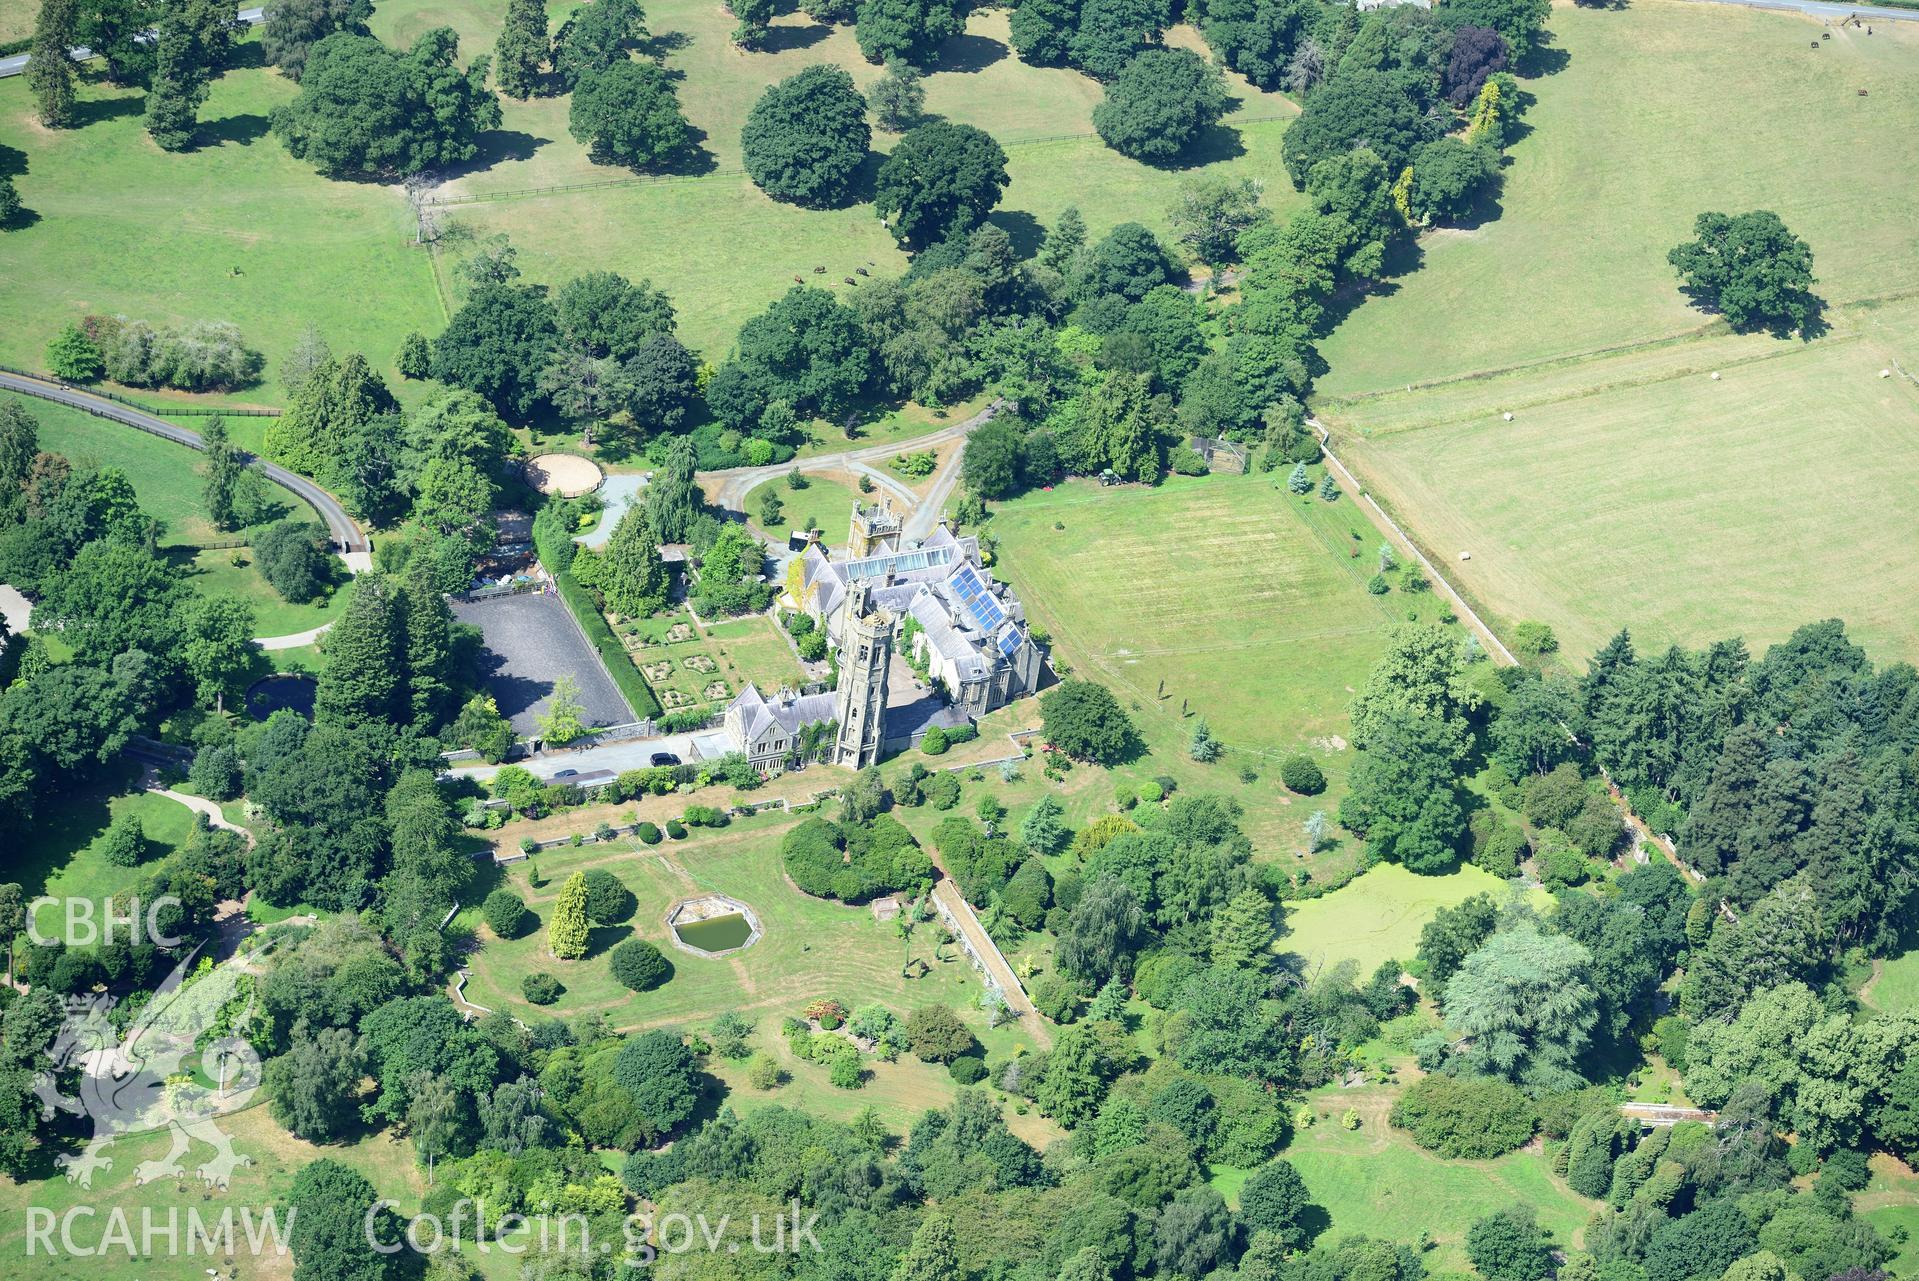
{"x":977,"y":599}
{"x":1010,"y":641}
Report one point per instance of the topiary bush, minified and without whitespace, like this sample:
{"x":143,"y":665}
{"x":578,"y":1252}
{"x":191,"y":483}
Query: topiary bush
{"x":676,"y":829}
{"x":1302,"y":776}
{"x":608,"y":901}
{"x":639,"y":965}
{"x":541,"y":989}
{"x":648,"y":834}
{"x":967,"y":1069}
{"x":935,"y":743}
{"x":505,"y":914}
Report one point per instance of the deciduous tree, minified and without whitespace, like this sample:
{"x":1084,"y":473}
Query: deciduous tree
{"x":1752,"y":270}
{"x":942,"y":180}
{"x":1160,"y":103}
{"x":806,"y":137}
{"x":365,"y":109}
{"x":629,"y":113}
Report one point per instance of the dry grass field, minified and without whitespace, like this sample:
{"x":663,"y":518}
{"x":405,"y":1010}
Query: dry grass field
{"x":1685,"y":507}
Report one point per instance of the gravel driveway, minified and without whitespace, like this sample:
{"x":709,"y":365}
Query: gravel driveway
{"x":530,"y":641}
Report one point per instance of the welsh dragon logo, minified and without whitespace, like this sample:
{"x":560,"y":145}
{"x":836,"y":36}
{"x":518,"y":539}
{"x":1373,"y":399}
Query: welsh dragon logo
{"x":170,"y":1070}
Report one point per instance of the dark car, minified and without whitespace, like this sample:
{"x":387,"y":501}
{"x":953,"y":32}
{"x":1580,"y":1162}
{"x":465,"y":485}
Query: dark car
{"x":665,"y":758}
{"x":567,"y":773}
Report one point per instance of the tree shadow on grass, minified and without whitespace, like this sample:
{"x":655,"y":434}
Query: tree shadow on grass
{"x":1215,"y":142}
{"x":693,"y":159}
{"x":1403,"y":259}
{"x":13,"y":161}
{"x":602,"y":938}
{"x":1543,"y":59}
{"x":968,"y":53}
{"x":864,"y":184}
{"x":247,"y":55}
{"x":1485,"y":208}
{"x":498,"y":146}
{"x":1022,"y":228}
{"x":241,"y":130}
{"x":660,"y":44}
{"x":781,"y":39}
{"x":93,"y":111}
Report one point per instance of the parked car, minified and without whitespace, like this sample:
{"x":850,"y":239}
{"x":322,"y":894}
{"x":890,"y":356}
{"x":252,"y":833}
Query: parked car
{"x":566,"y":773}
{"x":665,"y":758}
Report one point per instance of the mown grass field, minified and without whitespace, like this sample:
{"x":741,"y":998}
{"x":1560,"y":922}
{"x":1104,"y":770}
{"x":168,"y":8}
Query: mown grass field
{"x":1220,"y":597}
{"x":1891,"y":1204}
{"x":1378,"y":916}
{"x":811,"y":948}
{"x":60,"y":853}
{"x":752,"y":649}
{"x":237,"y":230}
{"x":1632,"y":488}
{"x":274,"y":1159}
{"x":826,"y":503}
{"x":1896,"y":989}
{"x":1375,"y":1181}
{"x":722,"y":248}
{"x":1685,"y":507}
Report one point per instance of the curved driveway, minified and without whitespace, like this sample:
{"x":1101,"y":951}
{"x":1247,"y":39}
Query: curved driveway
{"x":729,"y":488}
{"x":345,"y":533}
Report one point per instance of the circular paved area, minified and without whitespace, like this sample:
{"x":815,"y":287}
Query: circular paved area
{"x":567,"y":475}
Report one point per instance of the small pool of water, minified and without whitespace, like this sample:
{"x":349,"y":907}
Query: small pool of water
{"x":716,"y":933}
{"x":284,"y":689}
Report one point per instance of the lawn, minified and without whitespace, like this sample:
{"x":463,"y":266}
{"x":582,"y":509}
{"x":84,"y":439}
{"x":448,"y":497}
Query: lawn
{"x":1377,"y":916}
{"x":826,"y":503}
{"x":165,"y":476}
{"x":1221,"y":597}
{"x":60,"y":853}
{"x":1375,"y":1181}
{"x":733,"y":249}
{"x":1632,"y":487}
{"x":237,"y":230}
{"x":274,"y":1158}
{"x":1896,"y":989}
{"x":1658,"y":114}
{"x":1685,"y":507}
{"x":810,"y":948}
{"x":273,"y":614}
{"x":752,"y":649}
{"x":1891,"y":1204}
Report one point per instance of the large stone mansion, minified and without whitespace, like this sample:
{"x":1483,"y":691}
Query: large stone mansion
{"x":961,"y":628}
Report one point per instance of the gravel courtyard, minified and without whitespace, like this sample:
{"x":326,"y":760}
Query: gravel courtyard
{"x":530,"y":641}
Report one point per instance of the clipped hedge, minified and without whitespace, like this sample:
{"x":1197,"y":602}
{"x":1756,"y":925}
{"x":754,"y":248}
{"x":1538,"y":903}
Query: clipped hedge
{"x":648,"y":833}
{"x":638,"y":694}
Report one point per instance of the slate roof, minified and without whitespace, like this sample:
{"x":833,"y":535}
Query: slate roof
{"x":757,"y":714}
